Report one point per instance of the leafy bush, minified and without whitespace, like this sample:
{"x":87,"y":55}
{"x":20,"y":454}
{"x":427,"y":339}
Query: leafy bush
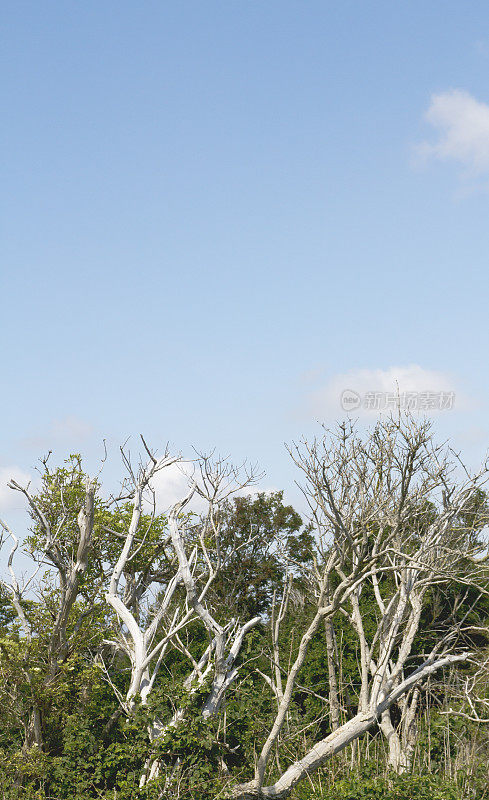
{"x":409,"y":787}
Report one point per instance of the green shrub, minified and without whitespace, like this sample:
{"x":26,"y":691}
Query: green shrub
{"x":409,"y":787}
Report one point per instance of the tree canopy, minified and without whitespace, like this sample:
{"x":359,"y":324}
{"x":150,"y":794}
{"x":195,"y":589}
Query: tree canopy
{"x":236,"y":648}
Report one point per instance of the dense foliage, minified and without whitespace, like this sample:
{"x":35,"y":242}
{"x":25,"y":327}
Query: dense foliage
{"x":70,"y":729}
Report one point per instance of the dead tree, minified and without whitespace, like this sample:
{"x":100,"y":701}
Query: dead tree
{"x":194,"y":557}
{"x":387,"y":513}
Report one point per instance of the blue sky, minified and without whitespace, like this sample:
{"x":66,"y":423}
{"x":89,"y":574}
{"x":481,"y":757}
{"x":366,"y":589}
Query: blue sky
{"x":215,"y":215}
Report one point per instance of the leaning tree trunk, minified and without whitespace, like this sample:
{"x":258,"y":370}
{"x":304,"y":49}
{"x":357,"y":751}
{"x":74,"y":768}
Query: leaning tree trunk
{"x":322,"y":751}
{"x":337,"y":740}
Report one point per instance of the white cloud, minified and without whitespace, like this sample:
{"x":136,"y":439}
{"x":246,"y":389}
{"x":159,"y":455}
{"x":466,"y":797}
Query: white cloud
{"x":463,"y":127}
{"x":10,"y":499}
{"x":331,"y":399}
{"x":172,"y":484}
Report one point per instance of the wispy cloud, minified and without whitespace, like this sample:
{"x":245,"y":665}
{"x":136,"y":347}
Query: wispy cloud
{"x":367,"y":391}
{"x":481,"y":47}
{"x":462,"y":123}
{"x":66,"y":432}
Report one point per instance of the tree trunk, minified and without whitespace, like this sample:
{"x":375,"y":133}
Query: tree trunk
{"x":402,"y":740}
{"x":33,"y":734}
{"x":334,"y":702}
{"x":323,"y":750}
{"x":397,"y":756}
{"x":339,"y":739}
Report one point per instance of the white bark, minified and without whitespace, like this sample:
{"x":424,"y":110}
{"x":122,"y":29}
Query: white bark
{"x":195,"y":571}
{"x":388,"y":515}
{"x":339,"y":739}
